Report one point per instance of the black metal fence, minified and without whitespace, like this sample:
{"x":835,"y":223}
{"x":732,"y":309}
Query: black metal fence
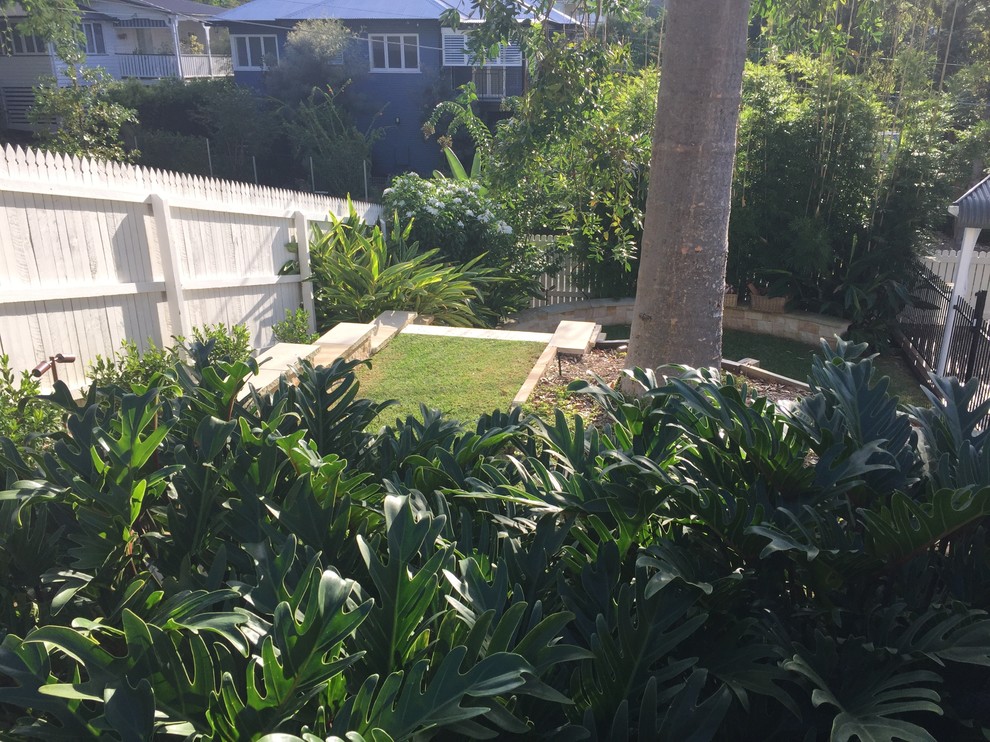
{"x":923,"y":325}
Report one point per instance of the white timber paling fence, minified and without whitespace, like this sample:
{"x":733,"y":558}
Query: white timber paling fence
{"x":945,"y":265}
{"x":580,"y":279}
{"x":561,"y":287}
{"x":94,"y":253}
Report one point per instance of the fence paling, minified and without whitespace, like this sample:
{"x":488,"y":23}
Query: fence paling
{"x":945,"y":264}
{"x":577,"y":280}
{"x":93,"y":253}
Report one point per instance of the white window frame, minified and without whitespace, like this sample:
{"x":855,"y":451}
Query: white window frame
{"x":24,"y":45}
{"x":235,"y":51}
{"x":384,"y":39}
{"x":456,"y":54}
{"x":95,"y":44}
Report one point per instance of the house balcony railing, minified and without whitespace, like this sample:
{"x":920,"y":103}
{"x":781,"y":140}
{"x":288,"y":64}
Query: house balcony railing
{"x":155,"y":66}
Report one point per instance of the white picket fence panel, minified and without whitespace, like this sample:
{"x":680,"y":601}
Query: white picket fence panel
{"x":561,"y":287}
{"x":93,"y":253}
{"x":945,"y":264}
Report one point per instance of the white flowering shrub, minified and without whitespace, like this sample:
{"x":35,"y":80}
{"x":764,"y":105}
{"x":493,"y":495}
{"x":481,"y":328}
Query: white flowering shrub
{"x":454,"y":217}
{"x":451,"y":216}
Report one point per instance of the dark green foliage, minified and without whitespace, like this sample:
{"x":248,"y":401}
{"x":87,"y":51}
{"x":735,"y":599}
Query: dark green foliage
{"x":133,"y":366}
{"x":21,"y":416}
{"x":358,"y":273}
{"x":294,"y":328}
{"x":707,"y":566}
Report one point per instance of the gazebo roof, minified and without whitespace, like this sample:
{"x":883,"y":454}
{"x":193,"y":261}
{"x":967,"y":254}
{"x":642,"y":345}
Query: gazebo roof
{"x":972,"y":209}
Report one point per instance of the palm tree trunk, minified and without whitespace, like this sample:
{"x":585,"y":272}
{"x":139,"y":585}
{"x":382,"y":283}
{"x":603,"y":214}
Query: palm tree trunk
{"x":678,"y":311}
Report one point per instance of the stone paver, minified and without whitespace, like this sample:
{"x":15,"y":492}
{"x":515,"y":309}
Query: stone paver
{"x":345,"y":340}
{"x":387,"y":326}
{"x":574,"y":338}
{"x":280,"y":359}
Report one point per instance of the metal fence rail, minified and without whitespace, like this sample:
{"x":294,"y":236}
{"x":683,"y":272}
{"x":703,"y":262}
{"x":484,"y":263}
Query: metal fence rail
{"x":923,"y":323}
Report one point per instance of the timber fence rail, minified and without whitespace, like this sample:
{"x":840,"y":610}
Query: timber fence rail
{"x":93,"y":253}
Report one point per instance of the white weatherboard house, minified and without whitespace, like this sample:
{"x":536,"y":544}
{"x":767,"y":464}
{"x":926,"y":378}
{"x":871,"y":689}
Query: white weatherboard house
{"x":129,"y":38}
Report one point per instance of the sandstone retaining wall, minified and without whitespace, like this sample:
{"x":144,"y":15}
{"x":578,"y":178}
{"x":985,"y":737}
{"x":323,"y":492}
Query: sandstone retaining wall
{"x":804,"y":327}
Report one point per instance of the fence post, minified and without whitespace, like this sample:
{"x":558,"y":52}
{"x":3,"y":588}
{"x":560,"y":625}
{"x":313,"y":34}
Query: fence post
{"x":974,"y":342}
{"x":305,"y":272}
{"x":959,"y":288}
{"x":170,"y":266}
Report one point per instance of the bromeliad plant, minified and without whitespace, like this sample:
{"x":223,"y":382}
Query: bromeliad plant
{"x":707,"y":566}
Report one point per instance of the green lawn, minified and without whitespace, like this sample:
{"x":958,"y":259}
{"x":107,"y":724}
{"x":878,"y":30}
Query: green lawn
{"x":793,"y":359}
{"x":463,"y":377}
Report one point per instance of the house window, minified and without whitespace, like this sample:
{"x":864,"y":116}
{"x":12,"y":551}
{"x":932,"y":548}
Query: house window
{"x":94,"y":38}
{"x":254,"y":52}
{"x":456,"y":53}
{"x":14,"y":42}
{"x":394,"y":52}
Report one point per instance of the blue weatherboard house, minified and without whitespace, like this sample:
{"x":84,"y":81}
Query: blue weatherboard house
{"x":401,"y":62}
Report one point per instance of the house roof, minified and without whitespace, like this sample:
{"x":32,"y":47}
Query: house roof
{"x":174,"y":7}
{"x":177,"y":7}
{"x":972,"y":209}
{"x":356,"y":10}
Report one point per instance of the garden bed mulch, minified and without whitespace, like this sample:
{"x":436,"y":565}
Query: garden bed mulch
{"x":551,"y":391}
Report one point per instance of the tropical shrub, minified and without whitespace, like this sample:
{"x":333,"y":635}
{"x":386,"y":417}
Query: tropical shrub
{"x":706,"y":566}
{"x":322,"y":134}
{"x":308,"y":61}
{"x":21,"y":416}
{"x":294,"y":328}
{"x":573,"y":160}
{"x":451,"y":216}
{"x":454,"y":217}
{"x":130,"y":365}
{"x":833,"y":189}
{"x":80,"y":118}
{"x":358,"y":273}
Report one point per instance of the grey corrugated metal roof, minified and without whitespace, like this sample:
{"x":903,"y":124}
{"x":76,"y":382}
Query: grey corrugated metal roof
{"x":354,"y":10}
{"x":972,"y":209}
{"x":345,"y":10}
{"x":178,"y":7}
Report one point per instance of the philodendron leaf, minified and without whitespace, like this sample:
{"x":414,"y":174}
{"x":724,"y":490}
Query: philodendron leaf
{"x":953,"y":636}
{"x":690,"y":719}
{"x":907,"y":527}
{"x":407,"y":703}
{"x":872,"y":714}
{"x":668,"y":564}
{"x":25,"y":671}
{"x":131,"y":711}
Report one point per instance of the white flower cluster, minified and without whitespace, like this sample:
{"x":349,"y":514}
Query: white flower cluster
{"x":444,"y":205}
